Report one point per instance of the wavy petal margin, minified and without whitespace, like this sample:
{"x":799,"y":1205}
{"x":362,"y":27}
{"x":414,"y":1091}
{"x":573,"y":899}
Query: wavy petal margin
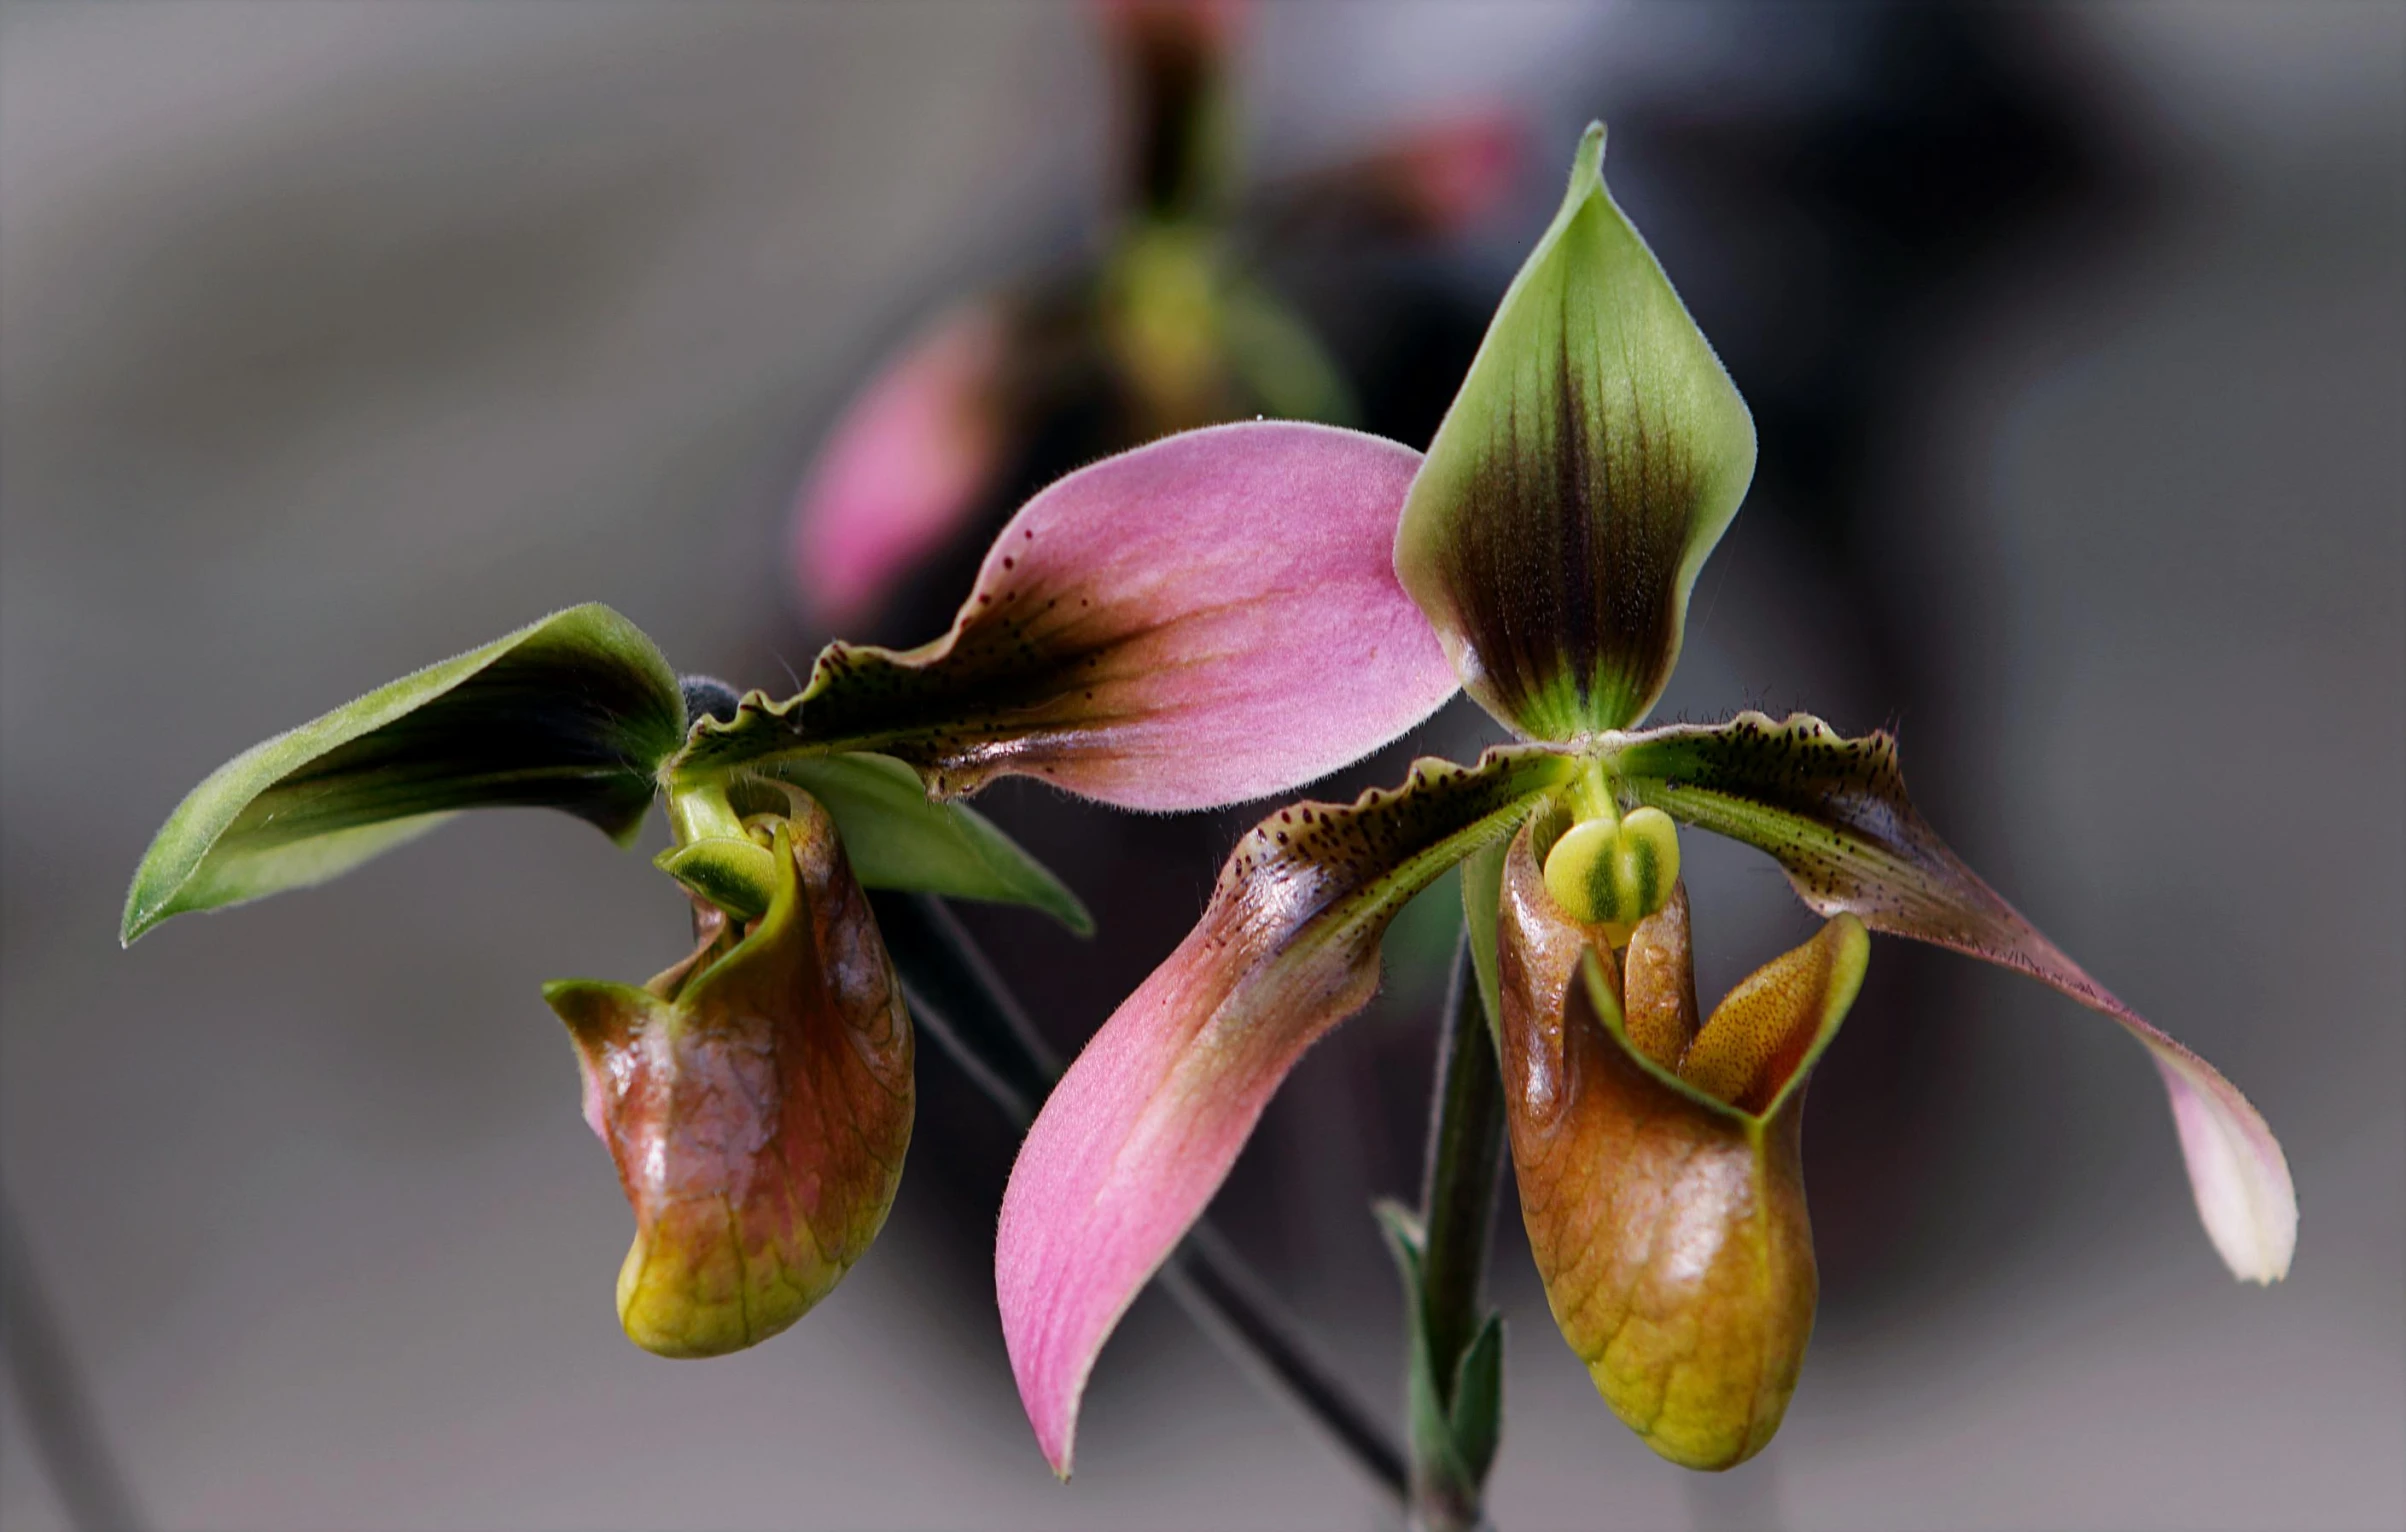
{"x":758,"y":1110}
{"x":574,"y":712}
{"x":1144,"y":1126}
{"x":1206,"y":620}
{"x":1594,"y":456}
{"x":1834,"y":813}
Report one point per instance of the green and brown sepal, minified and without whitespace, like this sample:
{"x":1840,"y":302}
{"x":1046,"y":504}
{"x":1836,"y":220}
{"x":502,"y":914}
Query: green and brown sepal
{"x":1592,"y":459}
{"x":575,"y":712}
{"x":1661,"y":1183}
{"x":757,"y":1100}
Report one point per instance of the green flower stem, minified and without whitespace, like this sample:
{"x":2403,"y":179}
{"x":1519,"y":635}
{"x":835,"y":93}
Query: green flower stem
{"x":1457,"y":1206}
{"x":959,"y":1001}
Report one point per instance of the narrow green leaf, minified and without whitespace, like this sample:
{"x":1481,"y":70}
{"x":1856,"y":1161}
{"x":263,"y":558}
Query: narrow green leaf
{"x":1432,"y":1431}
{"x":897,"y":838}
{"x":1478,"y":1406}
{"x":1595,"y":454}
{"x":575,"y":712}
{"x":1455,"y":1428}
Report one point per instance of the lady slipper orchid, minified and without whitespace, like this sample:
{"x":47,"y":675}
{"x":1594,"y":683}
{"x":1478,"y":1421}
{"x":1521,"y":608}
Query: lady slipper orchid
{"x":1125,"y":641}
{"x":1596,"y":452}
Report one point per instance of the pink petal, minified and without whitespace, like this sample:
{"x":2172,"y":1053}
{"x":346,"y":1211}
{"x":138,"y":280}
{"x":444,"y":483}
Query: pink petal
{"x":1205,"y":620}
{"x":2236,"y":1167}
{"x":904,"y":466}
{"x":1142,"y":1129}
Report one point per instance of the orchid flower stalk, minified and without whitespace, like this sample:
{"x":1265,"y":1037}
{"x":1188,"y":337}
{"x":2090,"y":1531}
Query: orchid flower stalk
{"x":1596,"y":452}
{"x":757,"y":1096}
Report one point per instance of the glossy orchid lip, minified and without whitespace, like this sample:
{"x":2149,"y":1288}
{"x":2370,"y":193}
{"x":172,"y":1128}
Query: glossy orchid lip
{"x":757,"y":1100}
{"x":1134,"y":627}
{"x":1665,"y":1204}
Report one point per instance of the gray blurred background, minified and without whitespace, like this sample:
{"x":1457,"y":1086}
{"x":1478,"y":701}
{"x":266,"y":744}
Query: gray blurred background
{"x":340,"y":337}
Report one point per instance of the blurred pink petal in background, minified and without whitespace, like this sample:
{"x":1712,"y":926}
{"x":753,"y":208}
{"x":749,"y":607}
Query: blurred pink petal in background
{"x":904,"y":467}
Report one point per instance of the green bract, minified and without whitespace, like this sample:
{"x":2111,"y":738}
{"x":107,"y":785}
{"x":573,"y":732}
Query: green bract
{"x":905,"y":841}
{"x":1595,"y":454}
{"x":900,"y":839}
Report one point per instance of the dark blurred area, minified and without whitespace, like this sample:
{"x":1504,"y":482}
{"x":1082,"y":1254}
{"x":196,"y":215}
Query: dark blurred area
{"x":339,"y":338}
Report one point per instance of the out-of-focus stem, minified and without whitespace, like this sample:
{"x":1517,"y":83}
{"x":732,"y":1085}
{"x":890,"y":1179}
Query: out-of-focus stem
{"x":58,"y":1414}
{"x":1457,"y":1209}
{"x":964,"y":1007}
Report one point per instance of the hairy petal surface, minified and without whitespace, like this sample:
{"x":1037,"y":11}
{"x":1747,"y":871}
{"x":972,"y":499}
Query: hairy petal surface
{"x":1201,"y":621}
{"x":905,"y":466}
{"x":1669,"y":1227}
{"x":1834,"y":813}
{"x":1595,"y":454}
{"x":1143,"y":1127}
{"x":757,"y":1101}
{"x":574,"y":712}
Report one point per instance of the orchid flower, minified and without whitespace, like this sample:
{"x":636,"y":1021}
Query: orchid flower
{"x":1171,"y":326}
{"x":1596,"y":452}
{"x":757,"y":1096}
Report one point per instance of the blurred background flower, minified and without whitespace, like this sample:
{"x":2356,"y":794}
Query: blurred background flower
{"x":1169,"y":324}
{"x":342,"y":336}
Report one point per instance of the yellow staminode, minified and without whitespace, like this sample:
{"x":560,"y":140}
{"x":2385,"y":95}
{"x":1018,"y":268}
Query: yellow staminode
{"x":1606,"y":873}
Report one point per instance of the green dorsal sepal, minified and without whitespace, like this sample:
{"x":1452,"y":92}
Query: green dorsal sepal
{"x":1594,"y":456}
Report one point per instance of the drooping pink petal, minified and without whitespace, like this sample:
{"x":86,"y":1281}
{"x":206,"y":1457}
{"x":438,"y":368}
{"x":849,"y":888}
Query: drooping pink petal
{"x":904,"y":467}
{"x":1142,"y":1129}
{"x":1205,"y":620}
{"x":1834,"y":813}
